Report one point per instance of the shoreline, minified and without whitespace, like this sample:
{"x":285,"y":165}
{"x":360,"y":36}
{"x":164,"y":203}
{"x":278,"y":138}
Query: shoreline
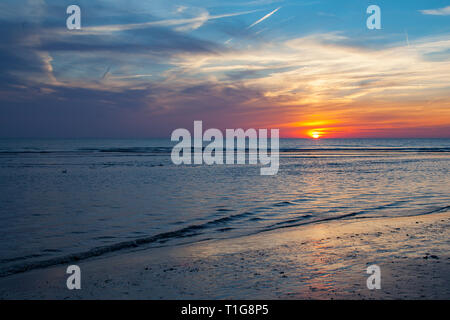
{"x":326,"y":260}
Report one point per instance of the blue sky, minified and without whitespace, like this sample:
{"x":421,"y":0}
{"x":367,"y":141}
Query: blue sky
{"x":144,"y":68}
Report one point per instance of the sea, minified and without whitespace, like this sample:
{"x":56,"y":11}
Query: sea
{"x":65,"y":200}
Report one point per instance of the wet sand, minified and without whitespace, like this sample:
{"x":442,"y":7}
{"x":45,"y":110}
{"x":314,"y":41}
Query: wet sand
{"x":320,"y":261}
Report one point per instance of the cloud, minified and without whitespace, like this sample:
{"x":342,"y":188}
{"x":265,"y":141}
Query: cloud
{"x":151,"y":39}
{"x":181,"y":24}
{"x":324,"y":76}
{"x":437,"y":12}
{"x":323,"y":67}
{"x":146,"y":78}
{"x":31,"y":54}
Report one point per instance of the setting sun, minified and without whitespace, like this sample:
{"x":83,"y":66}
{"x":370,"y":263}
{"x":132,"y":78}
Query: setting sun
{"x":315,"y":135}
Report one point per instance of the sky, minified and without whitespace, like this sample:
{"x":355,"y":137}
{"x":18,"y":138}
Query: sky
{"x":140,"y":69}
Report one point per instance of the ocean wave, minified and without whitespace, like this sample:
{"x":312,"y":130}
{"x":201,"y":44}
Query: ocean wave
{"x":188,"y":231}
{"x":219,"y":225}
{"x":299,"y":221}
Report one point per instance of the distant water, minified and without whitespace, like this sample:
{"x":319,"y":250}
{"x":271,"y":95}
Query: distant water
{"x":63,"y":200}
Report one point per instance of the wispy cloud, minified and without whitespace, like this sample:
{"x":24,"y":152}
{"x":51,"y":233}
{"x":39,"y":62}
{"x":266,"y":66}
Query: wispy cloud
{"x":145,"y":75}
{"x":321,"y":76}
{"x":263,"y":18}
{"x":180,"y":24}
{"x":437,"y":12}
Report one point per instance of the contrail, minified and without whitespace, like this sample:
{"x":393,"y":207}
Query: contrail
{"x":407,"y":38}
{"x":263,"y":18}
{"x":106,"y":72}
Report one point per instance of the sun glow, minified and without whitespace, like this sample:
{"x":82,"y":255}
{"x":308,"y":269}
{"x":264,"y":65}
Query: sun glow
{"x":315,"y":134}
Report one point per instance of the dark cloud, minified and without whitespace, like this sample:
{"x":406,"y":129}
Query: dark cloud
{"x":146,"y":40}
{"x":254,"y":74}
{"x":146,"y":112}
{"x":15,"y":53}
{"x":33,"y":105}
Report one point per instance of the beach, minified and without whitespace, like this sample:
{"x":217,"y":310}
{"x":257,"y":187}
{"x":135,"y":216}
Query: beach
{"x":141,"y":227}
{"x":326,"y":260}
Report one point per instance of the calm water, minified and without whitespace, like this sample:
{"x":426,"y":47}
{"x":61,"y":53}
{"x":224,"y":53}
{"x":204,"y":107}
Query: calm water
{"x":65,"y":199}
